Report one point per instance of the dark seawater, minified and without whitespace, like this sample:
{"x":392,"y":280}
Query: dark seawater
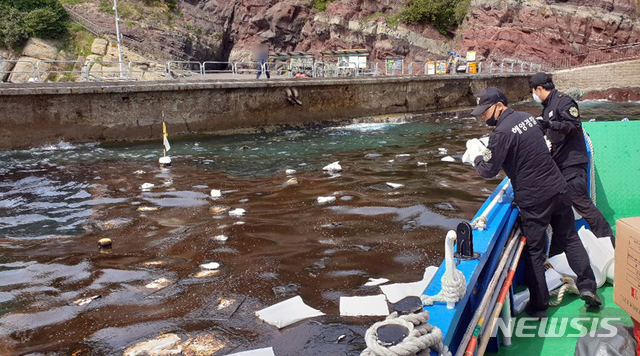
{"x":57,"y":201}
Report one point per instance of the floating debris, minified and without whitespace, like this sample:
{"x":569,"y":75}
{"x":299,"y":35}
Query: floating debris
{"x":442,"y":150}
{"x":84,"y":301}
{"x":326,"y":200}
{"x":218,"y":210}
{"x":216,"y":193}
{"x":147,"y":208}
{"x":448,"y":159}
{"x":158,"y":283}
{"x":153,"y":263}
{"x":397,"y":291}
{"x":403,"y":155}
{"x":346,"y":198}
{"x":287,"y":312}
{"x":139,"y":172}
{"x":421,"y":164}
{"x":333,"y":167}
{"x":210,"y":265}
{"x":147,"y":186}
{"x":221,"y":238}
{"x":372,"y":155}
{"x":290,"y":172}
{"x":202,"y":345}
{"x":238,"y":223}
{"x":340,"y":338}
{"x":206,"y":273}
{"x":376,"y":282}
{"x":375,"y":305}
{"x":332,"y":225}
{"x":286,"y":290}
{"x":243,"y":200}
{"x":167,"y":344}
{"x":237,"y":212}
{"x":292,"y":181}
{"x":267,"y":351}
{"x":225,"y":303}
{"x":104,"y":243}
{"x":395,"y":185}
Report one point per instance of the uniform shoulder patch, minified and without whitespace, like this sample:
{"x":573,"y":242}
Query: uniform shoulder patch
{"x":486,"y":155}
{"x":573,"y":111}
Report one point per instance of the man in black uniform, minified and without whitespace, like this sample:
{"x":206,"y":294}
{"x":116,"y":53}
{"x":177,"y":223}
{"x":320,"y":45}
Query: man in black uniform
{"x":561,"y":122}
{"x":517,"y":146}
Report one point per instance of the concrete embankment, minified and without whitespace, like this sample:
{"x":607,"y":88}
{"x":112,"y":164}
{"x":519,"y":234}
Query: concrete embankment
{"x":36,"y":114}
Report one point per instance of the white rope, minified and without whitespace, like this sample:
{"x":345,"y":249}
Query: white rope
{"x":452,"y":290}
{"x":422,"y":336}
{"x":568,"y":287}
{"x":592,"y":168}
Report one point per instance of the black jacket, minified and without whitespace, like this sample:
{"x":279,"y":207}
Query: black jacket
{"x":565,"y":130}
{"x":517,"y":146}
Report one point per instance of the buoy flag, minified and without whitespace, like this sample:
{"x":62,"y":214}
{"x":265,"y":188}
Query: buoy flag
{"x":165,"y":140}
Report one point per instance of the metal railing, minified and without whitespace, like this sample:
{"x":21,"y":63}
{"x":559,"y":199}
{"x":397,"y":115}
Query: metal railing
{"x":10,"y":73}
{"x":98,"y":70}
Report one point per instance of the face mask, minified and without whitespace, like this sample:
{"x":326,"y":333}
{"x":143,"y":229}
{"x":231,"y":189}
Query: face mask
{"x":536,"y":98}
{"x":493,"y":121}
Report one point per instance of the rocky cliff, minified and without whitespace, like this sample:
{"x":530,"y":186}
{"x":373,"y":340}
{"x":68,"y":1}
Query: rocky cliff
{"x":548,"y":31}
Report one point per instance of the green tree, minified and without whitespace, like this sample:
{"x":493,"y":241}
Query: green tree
{"x":443,"y":14}
{"x":12,"y":33}
{"x":45,"y":23}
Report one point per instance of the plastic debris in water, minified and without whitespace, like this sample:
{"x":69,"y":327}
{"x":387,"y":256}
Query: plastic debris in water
{"x":403,"y":155}
{"x":420,"y":164}
{"x":147,"y":186}
{"x":237,"y":212}
{"x":292,"y":181}
{"x":221,"y":238}
{"x":442,"y":150}
{"x":147,"y":208}
{"x":290,"y":172}
{"x":267,"y":351}
{"x":224,"y":303}
{"x":397,"y":291}
{"x":333,"y":167}
{"x":238,"y":223}
{"x":83,"y":301}
{"x":167,"y":344}
{"x":153,"y":263}
{"x":287,"y":312}
{"x":104,"y":243}
{"x":139,"y":172}
{"x":395,"y":185}
{"x":216,"y":193}
{"x":158,"y":283}
{"x":375,"y":305}
{"x":376,"y":282}
{"x":448,"y":159}
{"x":210,"y":265}
{"x":326,"y":200}
{"x":206,"y":273}
{"x":218,"y":210}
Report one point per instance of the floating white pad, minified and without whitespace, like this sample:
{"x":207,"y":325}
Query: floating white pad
{"x":395,"y":185}
{"x":290,"y":172}
{"x":376,"y":282}
{"x":448,"y":159}
{"x":267,"y":351}
{"x":237,"y":212}
{"x":325,"y":200}
{"x":374,"y":305}
{"x":287,"y":312}
{"x":333,"y":167}
{"x":210,"y":265}
{"x":397,"y":291}
{"x":216,"y":193}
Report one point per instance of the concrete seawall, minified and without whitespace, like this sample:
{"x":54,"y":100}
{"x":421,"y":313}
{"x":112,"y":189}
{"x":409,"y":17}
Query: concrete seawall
{"x":36,"y":114}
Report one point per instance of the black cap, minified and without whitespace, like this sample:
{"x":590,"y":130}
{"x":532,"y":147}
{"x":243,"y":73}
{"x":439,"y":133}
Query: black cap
{"x":540,"y":79}
{"x":488,"y":97}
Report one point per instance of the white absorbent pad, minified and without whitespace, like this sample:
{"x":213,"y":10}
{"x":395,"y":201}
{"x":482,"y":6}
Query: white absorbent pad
{"x":397,"y":291}
{"x":287,"y":312}
{"x":375,"y":305}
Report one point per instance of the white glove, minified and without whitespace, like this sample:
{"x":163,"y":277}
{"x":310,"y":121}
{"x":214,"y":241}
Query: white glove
{"x":474,"y":149}
{"x":548,"y":142}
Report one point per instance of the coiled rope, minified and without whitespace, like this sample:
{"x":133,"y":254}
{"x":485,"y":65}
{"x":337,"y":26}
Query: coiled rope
{"x":452,"y":290}
{"x":568,"y":287}
{"x":422,"y":336}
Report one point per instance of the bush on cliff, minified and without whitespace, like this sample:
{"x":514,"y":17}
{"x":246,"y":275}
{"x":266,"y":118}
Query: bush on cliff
{"x":30,"y":18}
{"x":442,"y":14}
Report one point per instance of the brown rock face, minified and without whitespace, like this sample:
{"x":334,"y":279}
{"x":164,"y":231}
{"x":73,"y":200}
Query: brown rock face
{"x":614,"y":95}
{"x":548,"y":31}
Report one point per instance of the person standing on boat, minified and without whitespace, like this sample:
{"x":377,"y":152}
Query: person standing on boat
{"x":517,"y":146}
{"x":561,"y":121}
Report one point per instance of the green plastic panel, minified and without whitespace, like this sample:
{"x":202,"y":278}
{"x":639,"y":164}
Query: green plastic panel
{"x":616,"y":146}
